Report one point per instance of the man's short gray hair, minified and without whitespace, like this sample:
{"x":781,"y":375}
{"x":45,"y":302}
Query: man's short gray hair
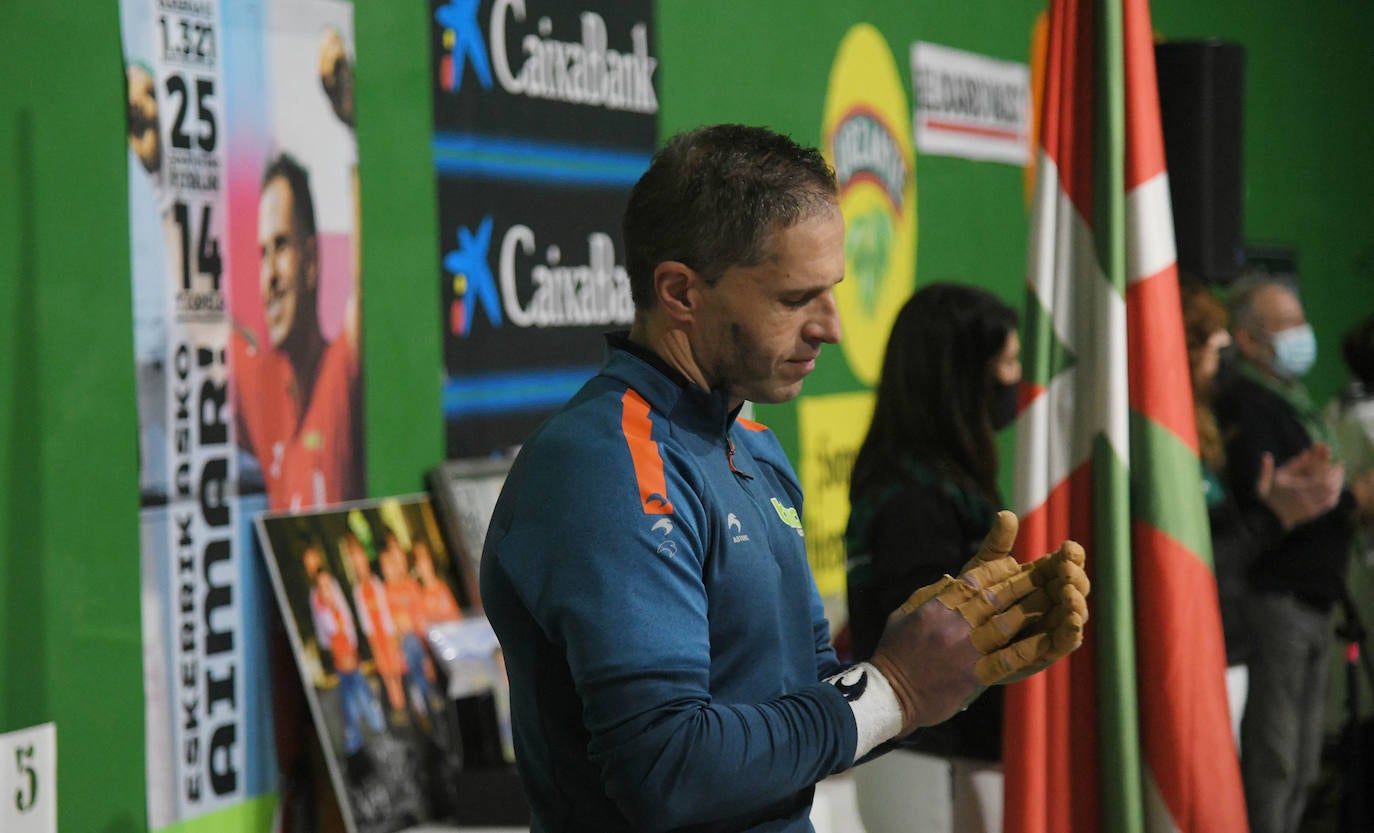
{"x":1241,"y":299}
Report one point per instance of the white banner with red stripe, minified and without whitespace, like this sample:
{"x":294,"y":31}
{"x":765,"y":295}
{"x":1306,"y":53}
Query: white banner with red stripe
{"x":970,"y":105}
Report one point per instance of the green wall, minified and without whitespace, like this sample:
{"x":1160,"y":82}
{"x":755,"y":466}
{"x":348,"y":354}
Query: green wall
{"x":402,"y":322}
{"x":1309,"y":81}
{"x":70,"y":650}
{"x":68,"y":480}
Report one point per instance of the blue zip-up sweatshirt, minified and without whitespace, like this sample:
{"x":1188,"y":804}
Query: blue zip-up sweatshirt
{"x":646,"y":574}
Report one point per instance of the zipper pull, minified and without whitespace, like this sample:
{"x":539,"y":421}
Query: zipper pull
{"x":730,"y":458}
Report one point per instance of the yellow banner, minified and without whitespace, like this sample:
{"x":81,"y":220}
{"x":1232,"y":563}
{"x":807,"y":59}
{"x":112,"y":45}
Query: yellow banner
{"x":832,"y":427}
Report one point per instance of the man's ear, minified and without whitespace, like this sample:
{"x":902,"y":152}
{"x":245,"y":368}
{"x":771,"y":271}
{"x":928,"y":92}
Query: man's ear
{"x":675,"y":289}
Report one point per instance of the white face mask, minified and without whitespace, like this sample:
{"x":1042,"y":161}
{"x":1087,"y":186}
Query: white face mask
{"x":1295,"y":351}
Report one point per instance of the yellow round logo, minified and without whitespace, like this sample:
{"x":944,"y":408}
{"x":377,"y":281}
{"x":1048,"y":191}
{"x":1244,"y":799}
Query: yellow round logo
{"x":866,"y":136}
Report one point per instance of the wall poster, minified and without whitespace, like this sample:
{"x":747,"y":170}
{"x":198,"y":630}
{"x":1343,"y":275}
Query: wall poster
{"x":545,"y":116}
{"x":244,"y":244}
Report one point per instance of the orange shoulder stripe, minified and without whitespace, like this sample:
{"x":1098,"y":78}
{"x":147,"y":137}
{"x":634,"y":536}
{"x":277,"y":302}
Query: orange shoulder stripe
{"x":638,"y":430}
{"x":750,"y":424}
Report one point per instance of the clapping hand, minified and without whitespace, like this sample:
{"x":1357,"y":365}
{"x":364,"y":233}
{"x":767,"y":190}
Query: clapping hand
{"x":1305,"y":487}
{"x":1012,"y":620}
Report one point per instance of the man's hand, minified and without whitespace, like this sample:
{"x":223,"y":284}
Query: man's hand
{"x":938,"y":657}
{"x":1305,"y":487}
{"x":336,"y":74}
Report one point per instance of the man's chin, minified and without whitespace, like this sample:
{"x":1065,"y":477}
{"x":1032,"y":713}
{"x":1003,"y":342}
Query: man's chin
{"x":776,"y":394}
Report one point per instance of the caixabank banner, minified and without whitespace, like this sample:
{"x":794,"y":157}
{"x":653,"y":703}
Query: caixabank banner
{"x":244,"y":247}
{"x":545,"y":116}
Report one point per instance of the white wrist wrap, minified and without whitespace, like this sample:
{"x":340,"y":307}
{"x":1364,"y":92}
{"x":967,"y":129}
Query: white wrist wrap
{"x":877,"y":714}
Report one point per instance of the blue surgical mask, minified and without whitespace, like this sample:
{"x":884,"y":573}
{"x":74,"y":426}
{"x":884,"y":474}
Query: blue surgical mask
{"x":1295,"y":351}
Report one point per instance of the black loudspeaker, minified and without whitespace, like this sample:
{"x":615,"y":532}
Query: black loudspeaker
{"x":1201,"y":89}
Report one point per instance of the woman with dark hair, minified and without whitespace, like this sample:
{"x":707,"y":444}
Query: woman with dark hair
{"x":927,"y":473}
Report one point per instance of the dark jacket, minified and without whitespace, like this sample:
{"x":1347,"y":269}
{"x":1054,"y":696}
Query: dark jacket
{"x":1239,"y":536}
{"x":903,"y":536}
{"x":1309,"y":562}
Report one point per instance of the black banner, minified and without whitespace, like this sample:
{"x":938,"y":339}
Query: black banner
{"x":545,"y":116}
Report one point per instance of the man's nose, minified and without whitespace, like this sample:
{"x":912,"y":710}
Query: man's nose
{"x":825,"y":327}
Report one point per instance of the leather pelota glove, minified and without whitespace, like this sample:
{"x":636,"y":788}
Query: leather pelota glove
{"x":1016,"y":619}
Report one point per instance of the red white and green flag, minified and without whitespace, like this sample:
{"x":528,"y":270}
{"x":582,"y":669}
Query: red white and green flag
{"x":1132,"y":733}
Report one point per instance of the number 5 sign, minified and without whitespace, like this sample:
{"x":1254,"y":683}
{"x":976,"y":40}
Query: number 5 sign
{"x":28,"y":780}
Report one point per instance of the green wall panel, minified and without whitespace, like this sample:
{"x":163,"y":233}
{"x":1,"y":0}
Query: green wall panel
{"x":69,"y":564}
{"x":400,"y":239}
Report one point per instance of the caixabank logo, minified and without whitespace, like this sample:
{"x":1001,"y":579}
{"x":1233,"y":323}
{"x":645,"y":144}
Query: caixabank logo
{"x":866,"y":136}
{"x":542,"y":50}
{"x":511,"y":278}
{"x":526,"y":293}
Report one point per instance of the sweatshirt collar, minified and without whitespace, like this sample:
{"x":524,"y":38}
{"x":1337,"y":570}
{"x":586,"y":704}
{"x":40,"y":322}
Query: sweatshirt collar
{"x":665,"y":388}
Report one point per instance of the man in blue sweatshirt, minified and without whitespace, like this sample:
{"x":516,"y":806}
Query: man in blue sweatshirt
{"x":669,"y":661}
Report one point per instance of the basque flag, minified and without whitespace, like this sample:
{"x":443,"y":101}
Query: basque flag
{"x":1131,"y":733}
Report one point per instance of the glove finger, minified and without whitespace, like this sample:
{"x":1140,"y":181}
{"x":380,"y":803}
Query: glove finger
{"x":1072,"y":575}
{"x":992,"y":581}
{"x":1060,"y":598}
{"x":978,"y":607}
{"x":1064,"y":624}
{"x":991,"y":574}
{"x":1069,"y":563}
{"x":1045,"y":610}
{"x":1021,"y":658}
{"x":1067,"y":599}
{"x":998,"y":630}
{"x":924,"y":594}
{"x":1073,"y":552}
{"x":1068,"y":636}
{"x":1067,"y":560}
{"x":1032,"y":654}
{"x":954,"y":592}
{"x":998,"y":541}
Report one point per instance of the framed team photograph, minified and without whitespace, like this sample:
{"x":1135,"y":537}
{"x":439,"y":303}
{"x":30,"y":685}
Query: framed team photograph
{"x":360,"y":587}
